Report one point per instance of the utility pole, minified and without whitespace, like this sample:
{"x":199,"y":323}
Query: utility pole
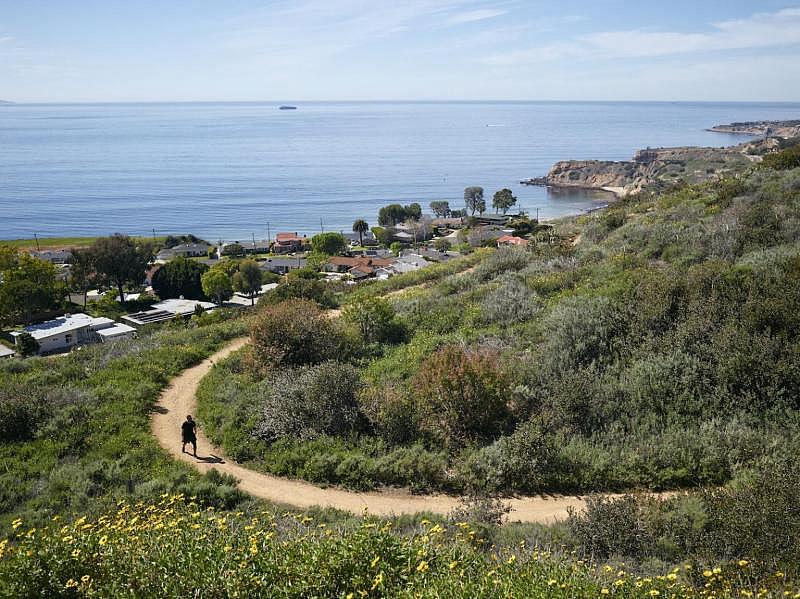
{"x":154,"y":234}
{"x":537,"y":215}
{"x":321,"y":226}
{"x":254,"y":242}
{"x":36,"y":237}
{"x":269,"y":236}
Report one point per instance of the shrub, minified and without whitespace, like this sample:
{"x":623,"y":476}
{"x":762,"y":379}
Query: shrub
{"x":462,"y":396}
{"x":298,"y":287}
{"x":510,"y":303}
{"x":27,"y":345}
{"x":783,"y":160}
{"x":291,"y":333}
{"x":375,"y":320}
{"x":309,"y":402}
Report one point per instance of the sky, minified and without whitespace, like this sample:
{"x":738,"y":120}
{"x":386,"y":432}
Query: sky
{"x":295,"y":50}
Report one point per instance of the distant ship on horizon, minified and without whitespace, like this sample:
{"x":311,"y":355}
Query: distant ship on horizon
{"x":287,"y":107}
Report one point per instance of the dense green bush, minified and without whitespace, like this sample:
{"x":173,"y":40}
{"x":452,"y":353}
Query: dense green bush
{"x":312,"y":401}
{"x":292,"y":333}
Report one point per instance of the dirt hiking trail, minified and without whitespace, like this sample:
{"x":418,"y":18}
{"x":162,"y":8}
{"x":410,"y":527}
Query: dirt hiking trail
{"x":178,"y":400}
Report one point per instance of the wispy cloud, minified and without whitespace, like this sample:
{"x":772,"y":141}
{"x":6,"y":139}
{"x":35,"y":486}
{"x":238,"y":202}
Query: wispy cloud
{"x":761,"y":30}
{"x":475,"y":15}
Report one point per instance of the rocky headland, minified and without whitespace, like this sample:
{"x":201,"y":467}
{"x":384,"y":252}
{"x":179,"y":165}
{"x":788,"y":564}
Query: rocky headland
{"x":668,"y":166}
{"x":782,"y":129}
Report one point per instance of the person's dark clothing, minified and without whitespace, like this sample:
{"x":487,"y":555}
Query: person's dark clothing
{"x":188,"y":432}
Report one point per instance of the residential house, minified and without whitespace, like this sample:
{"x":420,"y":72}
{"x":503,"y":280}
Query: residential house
{"x":71,"y":330}
{"x":167,"y":310}
{"x":54,"y":256}
{"x":409,"y":263}
{"x":367,"y":239}
{"x":512,"y":240}
{"x":288,"y":242}
{"x":281,"y":266}
{"x":186,"y":250}
{"x":240,"y":299}
{"x":6,"y":352}
{"x":359,"y":267}
{"x":248,"y":247}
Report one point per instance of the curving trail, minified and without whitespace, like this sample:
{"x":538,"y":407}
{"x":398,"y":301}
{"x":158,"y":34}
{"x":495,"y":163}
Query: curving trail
{"x":178,"y":400}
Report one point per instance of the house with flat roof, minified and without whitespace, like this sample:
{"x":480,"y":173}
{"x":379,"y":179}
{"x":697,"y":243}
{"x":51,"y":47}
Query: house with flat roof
{"x":71,"y":330}
{"x":6,"y":352}
{"x":167,"y":310}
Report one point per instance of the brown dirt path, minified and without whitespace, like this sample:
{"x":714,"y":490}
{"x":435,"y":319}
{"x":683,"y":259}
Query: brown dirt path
{"x":178,"y":400}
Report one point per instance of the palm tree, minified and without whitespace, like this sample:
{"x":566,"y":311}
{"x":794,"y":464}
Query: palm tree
{"x":360,"y":227}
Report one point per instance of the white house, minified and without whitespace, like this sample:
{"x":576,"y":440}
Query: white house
{"x":72,"y":330}
{"x":5,"y":352}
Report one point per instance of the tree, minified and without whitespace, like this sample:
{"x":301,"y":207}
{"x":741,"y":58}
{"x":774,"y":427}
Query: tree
{"x":248,"y":279}
{"x":375,"y":320}
{"x":293,"y":333}
{"x":28,"y":287}
{"x":217,"y":285}
{"x":391,"y":215}
{"x":383,"y":235}
{"x":82,"y":271}
{"x":234,"y":250}
{"x":473,"y":198}
{"x":462,"y":396}
{"x":180,"y":277}
{"x":27,"y":345}
{"x":121,"y":260}
{"x":442,"y":244}
{"x":360,"y":227}
{"x":503,"y":200}
{"x":328,"y":243}
{"x":440,"y":208}
{"x":413,"y":211}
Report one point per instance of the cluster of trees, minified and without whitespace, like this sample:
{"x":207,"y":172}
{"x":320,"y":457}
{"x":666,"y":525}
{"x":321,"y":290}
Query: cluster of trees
{"x":502,"y":200}
{"x":221,"y":280}
{"x":29,"y":285}
{"x":174,"y":240}
{"x":394,"y":214}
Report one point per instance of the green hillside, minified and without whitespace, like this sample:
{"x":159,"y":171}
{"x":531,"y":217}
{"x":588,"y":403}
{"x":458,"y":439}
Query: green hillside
{"x":652,"y":345}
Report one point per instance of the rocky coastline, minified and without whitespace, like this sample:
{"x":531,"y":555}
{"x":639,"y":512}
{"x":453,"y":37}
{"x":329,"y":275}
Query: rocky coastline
{"x":782,"y":129}
{"x":668,"y":166}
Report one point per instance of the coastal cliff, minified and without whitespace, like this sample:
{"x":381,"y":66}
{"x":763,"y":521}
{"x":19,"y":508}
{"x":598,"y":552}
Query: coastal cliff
{"x":667,"y":166}
{"x":782,"y":129}
{"x":650,"y":166}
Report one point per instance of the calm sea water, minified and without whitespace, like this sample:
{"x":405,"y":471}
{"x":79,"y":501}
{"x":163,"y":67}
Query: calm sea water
{"x":225,"y":170}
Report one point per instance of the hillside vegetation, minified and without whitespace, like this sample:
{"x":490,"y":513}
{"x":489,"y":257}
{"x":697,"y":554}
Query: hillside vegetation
{"x":651,"y":345}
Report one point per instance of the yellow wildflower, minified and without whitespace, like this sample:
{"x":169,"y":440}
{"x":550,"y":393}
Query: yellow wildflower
{"x":375,"y":561}
{"x":422,"y":566}
{"x":16,"y":524}
{"x":743,"y":562}
{"x":71,"y":584}
{"x":604,"y":591}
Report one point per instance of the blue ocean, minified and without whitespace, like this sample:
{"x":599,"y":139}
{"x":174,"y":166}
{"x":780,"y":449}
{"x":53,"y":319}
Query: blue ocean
{"x":232,"y":170}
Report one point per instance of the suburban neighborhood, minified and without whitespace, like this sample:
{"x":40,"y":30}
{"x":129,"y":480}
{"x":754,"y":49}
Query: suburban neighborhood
{"x":185,"y":276}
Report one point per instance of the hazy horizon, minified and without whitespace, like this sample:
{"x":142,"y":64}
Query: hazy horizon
{"x":101,"y":51}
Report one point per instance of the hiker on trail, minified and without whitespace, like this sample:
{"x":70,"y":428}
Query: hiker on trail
{"x":189,"y":435}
